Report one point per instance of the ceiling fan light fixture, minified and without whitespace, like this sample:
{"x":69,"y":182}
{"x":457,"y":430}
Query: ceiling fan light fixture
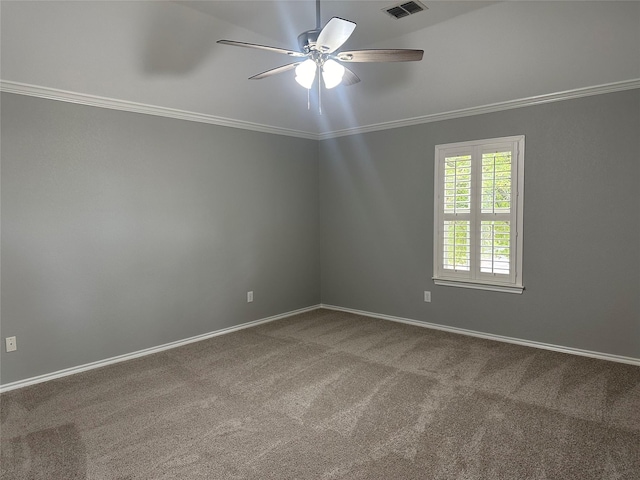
{"x":332,"y":73}
{"x":306,"y":73}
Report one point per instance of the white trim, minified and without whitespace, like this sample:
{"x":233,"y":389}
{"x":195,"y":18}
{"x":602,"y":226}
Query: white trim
{"x":127,"y":106}
{"x":493,"y":107}
{"x":111,"y":103}
{"x":490,"y":336}
{"x":478,"y":286}
{"x":147,"y":351}
{"x":473,"y":277}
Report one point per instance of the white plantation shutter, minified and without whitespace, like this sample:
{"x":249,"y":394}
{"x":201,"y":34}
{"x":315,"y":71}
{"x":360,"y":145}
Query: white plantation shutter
{"x":456,"y":213}
{"x":478,"y":214}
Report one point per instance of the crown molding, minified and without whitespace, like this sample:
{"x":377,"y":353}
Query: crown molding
{"x":127,"y":106}
{"x":493,"y":107}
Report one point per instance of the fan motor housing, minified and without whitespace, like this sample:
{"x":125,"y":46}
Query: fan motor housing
{"x":307,"y":40}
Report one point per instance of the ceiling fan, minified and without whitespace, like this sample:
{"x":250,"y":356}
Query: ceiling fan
{"x":319,"y":53}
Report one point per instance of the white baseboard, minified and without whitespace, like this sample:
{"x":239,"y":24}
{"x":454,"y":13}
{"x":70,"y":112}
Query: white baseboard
{"x":147,"y":351}
{"x":489,"y":336}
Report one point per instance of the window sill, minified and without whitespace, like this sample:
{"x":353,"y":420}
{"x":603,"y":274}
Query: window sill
{"x":479,"y":286}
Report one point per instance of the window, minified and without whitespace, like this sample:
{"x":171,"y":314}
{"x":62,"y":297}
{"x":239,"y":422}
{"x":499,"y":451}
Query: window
{"x":478,"y":214}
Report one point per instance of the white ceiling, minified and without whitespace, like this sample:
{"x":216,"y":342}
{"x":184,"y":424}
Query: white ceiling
{"x":283,"y":21}
{"x":164,"y":54}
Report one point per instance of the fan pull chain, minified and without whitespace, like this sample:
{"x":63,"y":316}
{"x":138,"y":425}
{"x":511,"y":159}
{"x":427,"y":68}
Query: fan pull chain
{"x":319,"y":95}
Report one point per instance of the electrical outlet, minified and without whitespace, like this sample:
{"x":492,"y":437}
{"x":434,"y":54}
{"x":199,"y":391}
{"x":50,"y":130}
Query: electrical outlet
{"x":427,"y":296}
{"x":11,"y":344}
{"x":249,"y":297}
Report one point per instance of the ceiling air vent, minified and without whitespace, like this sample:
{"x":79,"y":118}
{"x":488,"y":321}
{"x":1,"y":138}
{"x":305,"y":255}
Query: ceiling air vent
{"x":405,"y":9}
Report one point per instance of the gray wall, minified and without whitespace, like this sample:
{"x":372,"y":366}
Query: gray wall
{"x":581,"y":225}
{"x":123,"y":231}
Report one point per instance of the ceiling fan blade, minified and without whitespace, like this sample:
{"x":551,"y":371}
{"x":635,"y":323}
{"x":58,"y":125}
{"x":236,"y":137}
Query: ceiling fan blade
{"x":334,"y":34}
{"x":390,"y":55}
{"x":291,"y":53}
{"x":275,"y":71}
{"x":349,"y":77}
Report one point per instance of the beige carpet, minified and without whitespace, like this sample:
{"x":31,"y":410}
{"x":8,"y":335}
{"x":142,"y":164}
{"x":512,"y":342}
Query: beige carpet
{"x":328,"y":395}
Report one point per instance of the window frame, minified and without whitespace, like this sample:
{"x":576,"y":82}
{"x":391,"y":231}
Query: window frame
{"x":474,"y":277}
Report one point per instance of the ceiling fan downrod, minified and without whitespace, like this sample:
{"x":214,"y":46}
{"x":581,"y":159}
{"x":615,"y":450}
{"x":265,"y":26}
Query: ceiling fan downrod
{"x":318,"y":15}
